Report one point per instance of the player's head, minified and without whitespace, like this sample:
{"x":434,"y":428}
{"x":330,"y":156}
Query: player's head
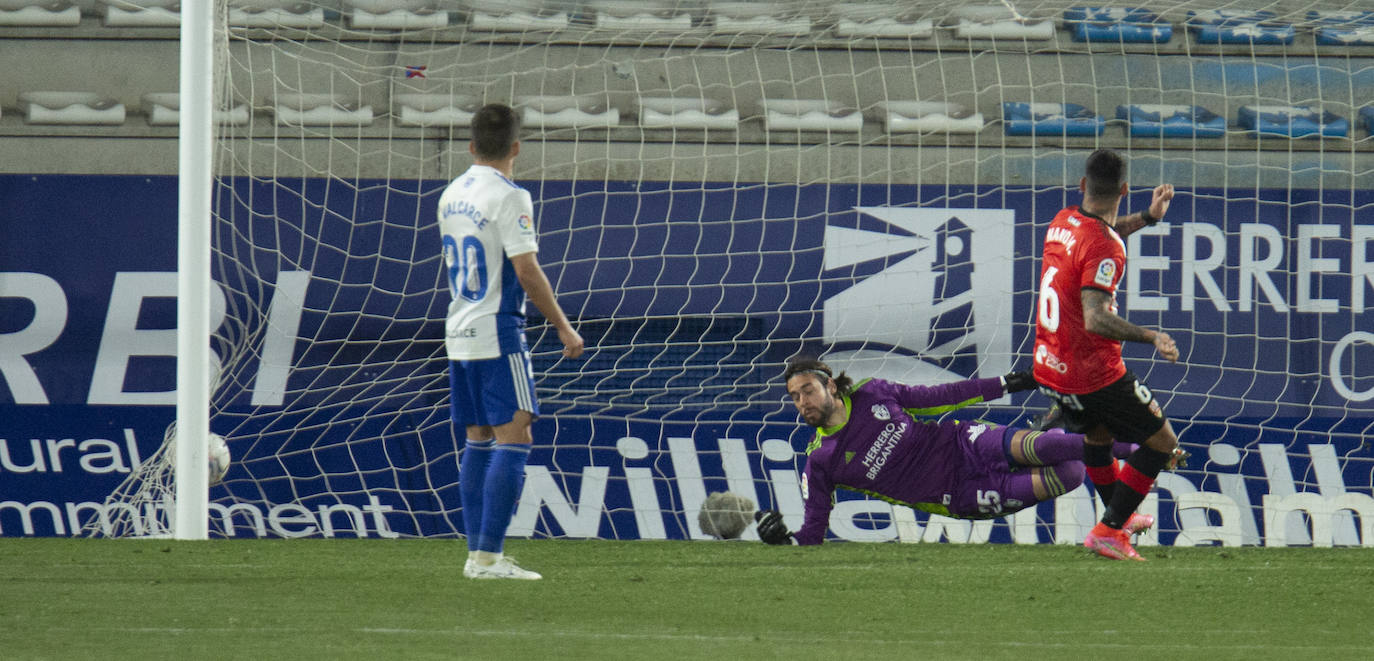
{"x":495,"y":132}
{"x":815,"y":390}
{"x":1104,"y":176}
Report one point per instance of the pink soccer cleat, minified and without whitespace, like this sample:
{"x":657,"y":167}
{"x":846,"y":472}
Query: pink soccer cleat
{"x":1111,"y":543}
{"x":1138,"y":523}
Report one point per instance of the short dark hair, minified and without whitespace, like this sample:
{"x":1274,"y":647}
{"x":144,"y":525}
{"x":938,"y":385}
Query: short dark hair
{"x":1105,"y":171}
{"x":495,"y":128}
{"x":818,"y":369}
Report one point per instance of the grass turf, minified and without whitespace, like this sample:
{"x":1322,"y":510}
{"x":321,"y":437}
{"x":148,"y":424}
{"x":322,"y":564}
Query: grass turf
{"x":407,"y":599}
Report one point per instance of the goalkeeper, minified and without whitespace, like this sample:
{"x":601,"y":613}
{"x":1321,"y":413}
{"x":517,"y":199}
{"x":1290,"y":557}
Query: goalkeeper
{"x":868,"y":440}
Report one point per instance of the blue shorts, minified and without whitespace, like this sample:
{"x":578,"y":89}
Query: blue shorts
{"x":489,"y":392}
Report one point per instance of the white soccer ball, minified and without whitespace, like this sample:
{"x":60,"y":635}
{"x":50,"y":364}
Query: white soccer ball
{"x":219,"y":458}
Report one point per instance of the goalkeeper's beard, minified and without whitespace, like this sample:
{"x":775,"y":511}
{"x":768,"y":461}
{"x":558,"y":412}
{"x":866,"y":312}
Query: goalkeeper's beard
{"x":818,"y":416}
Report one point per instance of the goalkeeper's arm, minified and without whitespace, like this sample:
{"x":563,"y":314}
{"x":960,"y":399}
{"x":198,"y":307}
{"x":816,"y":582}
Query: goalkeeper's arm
{"x":771,"y":528}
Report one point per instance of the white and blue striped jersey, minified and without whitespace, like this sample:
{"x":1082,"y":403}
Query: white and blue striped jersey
{"x":485,"y":219}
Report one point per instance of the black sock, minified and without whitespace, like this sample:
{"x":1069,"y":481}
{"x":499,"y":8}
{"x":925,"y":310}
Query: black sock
{"x":1135,"y":480}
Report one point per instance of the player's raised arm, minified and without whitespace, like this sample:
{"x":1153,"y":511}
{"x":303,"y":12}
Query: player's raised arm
{"x":937,"y":399}
{"x":1159,"y":205}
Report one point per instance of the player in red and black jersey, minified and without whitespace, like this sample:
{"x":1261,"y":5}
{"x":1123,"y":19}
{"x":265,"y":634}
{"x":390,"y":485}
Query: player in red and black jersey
{"x":1078,"y":340}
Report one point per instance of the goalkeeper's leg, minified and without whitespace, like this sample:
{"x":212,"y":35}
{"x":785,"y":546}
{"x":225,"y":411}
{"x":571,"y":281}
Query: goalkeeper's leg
{"x":1051,"y":447}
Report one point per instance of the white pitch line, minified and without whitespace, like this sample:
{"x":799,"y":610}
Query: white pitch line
{"x":925,"y":640}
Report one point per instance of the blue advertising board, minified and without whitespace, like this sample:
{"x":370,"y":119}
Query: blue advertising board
{"x":692,"y":296}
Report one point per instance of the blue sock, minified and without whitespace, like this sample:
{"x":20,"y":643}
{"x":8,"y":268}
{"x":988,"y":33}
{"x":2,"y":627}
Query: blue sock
{"x":472,"y":476}
{"x":505,"y":476}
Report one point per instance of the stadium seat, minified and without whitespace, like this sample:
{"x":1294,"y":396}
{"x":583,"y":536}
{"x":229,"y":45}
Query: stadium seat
{"x":515,"y":16}
{"x":633,"y":16}
{"x":997,"y":22}
{"x":293,"y":109}
{"x":1171,"y":121}
{"x":1117,"y":25}
{"x":929,"y":117}
{"x":274,"y":14}
{"x":142,"y":13}
{"x":164,"y":109}
{"x":1292,"y":122}
{"x":1222,"y":26}
{"x":84,"y":108}
{"x":560,"y":112}
{"x":809,"y":115}
{"x":1343,"y":28}
{"x":866,"y":19}
{"x":33,"y":13}
{"x":774,"y":18}
{"x":686,"y":113}
{"x":1367,"y":116}
{"x":1050,"y":119}
{"x":434,"y":109}
{"x":395,"y":14}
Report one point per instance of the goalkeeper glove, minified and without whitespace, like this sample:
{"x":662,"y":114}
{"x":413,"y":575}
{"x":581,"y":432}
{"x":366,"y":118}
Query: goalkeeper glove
{"x":771,"y":528}
{"x":1018,"y":381}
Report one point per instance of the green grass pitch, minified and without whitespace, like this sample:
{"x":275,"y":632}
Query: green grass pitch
{"x":407,"y":599}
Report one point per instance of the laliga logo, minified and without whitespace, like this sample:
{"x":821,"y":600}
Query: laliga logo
{"x":944,"y":307}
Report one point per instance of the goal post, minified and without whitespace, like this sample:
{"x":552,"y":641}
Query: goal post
{"x":195,"y":187}
{"x":722,"y":186}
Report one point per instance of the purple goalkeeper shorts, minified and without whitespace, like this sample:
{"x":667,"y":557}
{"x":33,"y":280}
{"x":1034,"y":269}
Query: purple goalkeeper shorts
{"x":988,"y":488}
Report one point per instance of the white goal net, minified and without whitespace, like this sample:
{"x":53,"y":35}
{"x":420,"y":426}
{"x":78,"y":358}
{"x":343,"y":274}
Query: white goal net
{"x":722,"y":186}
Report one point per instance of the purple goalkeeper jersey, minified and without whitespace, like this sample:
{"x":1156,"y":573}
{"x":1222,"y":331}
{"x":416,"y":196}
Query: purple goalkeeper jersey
{"x":884,"y":452}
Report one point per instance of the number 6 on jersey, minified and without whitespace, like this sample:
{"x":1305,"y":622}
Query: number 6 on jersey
{"x":1049,"y":301}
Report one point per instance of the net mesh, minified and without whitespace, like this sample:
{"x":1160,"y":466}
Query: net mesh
{"x":721,"y":186}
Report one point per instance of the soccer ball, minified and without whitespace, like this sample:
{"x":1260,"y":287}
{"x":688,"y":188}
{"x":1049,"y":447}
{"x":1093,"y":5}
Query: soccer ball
{"x":725,"y":515}
{"x":219,"y":458}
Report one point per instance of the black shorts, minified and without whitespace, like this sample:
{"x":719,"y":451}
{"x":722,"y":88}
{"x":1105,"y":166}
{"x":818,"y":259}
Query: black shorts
{"x":1126,"y":407}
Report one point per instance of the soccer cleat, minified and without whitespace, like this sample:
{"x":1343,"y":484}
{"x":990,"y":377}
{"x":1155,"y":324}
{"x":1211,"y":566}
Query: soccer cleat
{"x":1049,"y":418}
{"x":1111,"y":543}
{"x":502,"y":568}
{"x":1177,"y":459}
{"x":1138,"y":523}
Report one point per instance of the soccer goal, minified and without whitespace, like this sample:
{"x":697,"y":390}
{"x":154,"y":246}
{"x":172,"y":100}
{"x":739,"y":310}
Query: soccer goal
{"x":722,"y":186}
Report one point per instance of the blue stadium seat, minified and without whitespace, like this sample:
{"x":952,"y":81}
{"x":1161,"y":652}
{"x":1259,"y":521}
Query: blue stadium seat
{"x":1117,"y":25}
{"x":1224,"y":26}
{"x":1050,"y":119}
{"x":1367,"y":115}
{"x":1171,"y":121}
{"x":1292,"y":122}
{"x":1343,"y":28}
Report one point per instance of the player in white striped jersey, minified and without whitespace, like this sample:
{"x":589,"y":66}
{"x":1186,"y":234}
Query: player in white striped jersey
{"x":490,"y":257}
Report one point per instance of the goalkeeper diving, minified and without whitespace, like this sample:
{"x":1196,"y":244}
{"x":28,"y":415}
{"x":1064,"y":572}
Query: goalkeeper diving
{"x":869,"y":439}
